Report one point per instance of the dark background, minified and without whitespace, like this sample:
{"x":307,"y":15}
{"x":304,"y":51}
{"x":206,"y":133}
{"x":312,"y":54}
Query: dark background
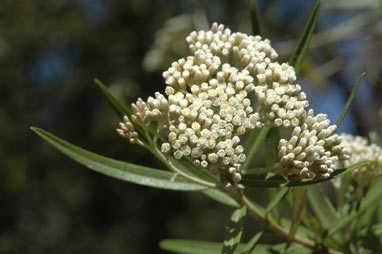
{"x":50,"y":52}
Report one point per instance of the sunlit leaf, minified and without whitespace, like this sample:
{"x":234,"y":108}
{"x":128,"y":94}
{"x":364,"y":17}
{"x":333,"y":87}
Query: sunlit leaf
{"x":350,"y":100}
{"x":371,"y":198}
{"x":234,"y":231}
{"x":255,"y":18}
{"x":118,"y":169}
{"x":263,"y":181}
{"x":302,"y":46}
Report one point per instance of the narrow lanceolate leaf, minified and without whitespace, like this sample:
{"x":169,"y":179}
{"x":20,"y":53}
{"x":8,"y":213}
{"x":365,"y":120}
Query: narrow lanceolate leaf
{"x":255,"y":18}
{"x":350,"y":100}
{"x":220,"y":197}
{"x":119,"y":108}
{"x":261,"y":181}
{"x":119,"y":169}
{"x":319,"y":208}
{"x":271,"y":157}
{"x":371,"y":199}
{"x":276,"y":199}
{"x":299,"y":205}
{"x":302,"y":46}
{"x":180,"y":246}
{"x":253,"y":144}
{"x":250,"y":247}
{"x":364,"y":222}
{"x":234,"y":230}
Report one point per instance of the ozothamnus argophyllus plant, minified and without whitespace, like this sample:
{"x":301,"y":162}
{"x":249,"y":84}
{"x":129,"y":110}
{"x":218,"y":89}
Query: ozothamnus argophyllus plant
{"x":206,"y":108}
{"x":231,"y":85}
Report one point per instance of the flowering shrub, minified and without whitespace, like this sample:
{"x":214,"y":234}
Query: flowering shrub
{"x":232,"y":85}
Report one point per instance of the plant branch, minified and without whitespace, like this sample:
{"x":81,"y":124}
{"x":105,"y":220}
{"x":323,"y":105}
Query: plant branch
{"x":273,"y":226}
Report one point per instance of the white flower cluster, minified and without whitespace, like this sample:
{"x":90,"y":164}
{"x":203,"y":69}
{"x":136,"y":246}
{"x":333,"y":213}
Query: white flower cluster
{"x":313,"y":149}
{"x":207,"y":107}
{"x":359,"y":151}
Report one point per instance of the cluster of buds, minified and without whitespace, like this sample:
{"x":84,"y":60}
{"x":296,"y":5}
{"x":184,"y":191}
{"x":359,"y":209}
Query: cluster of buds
{"x":313,"y":149}
{"x":359,"y":150}
{"x":207,"y":107}
{"x":126,"y":130}
{"x":155,"y":109}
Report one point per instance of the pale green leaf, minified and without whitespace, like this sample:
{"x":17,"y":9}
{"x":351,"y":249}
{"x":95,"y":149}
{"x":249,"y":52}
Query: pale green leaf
{"x":303,"y":44}
{"x":118,"y":169}
{"x":350,"y":100}
{"x":234,"y":231}
{"x":371,"y":198}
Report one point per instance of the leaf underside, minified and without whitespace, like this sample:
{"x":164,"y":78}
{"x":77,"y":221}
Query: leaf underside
{"x":118,"y":169}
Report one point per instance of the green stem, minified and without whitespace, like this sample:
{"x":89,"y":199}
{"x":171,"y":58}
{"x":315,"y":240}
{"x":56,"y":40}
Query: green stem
{"x":172,"y":167}
{"x":272,"y":225}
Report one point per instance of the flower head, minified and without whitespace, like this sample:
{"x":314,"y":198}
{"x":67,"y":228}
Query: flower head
{"x":359,"y":150}
{"x":207,"y":107}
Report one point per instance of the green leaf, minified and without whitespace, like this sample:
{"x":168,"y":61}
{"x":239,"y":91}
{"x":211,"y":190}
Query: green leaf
{"x":371,"y":198}
{"x":119,"y":108}
{"x":276,"y":199}
{"x":264,"y":181}
{"x":271,"y":147}
{"x":256,"y":138}
{"x":118,"y":169}
{"x":220,"y":197}
{"x":251,"y":245}
{"x":302,"y":46}
{"x":299,"y":206}
{"x":255,"y":18}
{"x":320,"y":208}
{"x":377,"y":230}
{"x":364,"y":222}
{"x":216,"y":194}
{"x":324,"y":213}
{"x":271,"y":157}
{"x":350,"y":100}
{"x":234,"y":230}
{"x":203,"y":247}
